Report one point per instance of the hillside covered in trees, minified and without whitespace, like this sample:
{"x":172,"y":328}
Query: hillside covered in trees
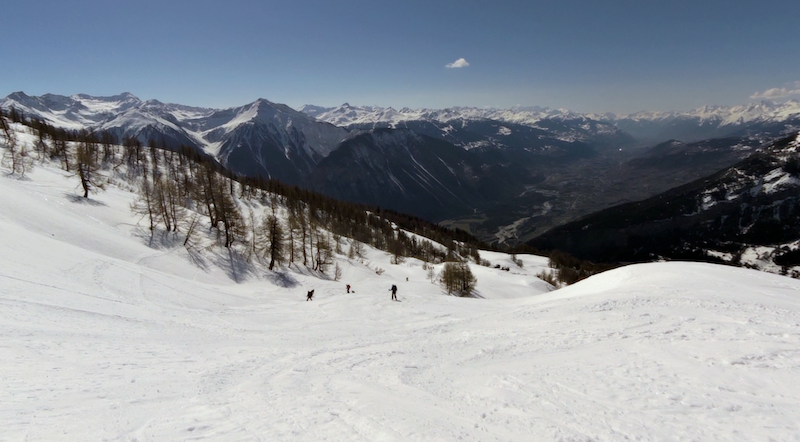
{"x":180,"y":191}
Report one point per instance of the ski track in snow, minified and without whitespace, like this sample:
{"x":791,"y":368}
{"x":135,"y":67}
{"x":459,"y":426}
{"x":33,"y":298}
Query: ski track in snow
{"x":104,"y":338}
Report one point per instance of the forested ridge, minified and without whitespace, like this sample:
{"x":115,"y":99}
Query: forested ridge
{"x":181,"y":190}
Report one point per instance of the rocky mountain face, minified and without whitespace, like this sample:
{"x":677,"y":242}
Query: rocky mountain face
{"x":504,"y":175}
{"x":267,"y":139}
{"x":259,"y":139}
{"x":603,"y":165}
{"x":416,"y":173}
{"x":748,"y":213}
{"x":449,"y":164}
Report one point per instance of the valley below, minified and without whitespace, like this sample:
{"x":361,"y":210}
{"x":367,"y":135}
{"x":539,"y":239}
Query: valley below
{"x":564,"y":193}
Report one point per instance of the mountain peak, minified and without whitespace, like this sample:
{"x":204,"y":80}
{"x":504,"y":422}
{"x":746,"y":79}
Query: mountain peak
{"x":19,"y":95}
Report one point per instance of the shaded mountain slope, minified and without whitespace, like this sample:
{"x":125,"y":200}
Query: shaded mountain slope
{"x":401,"y":170}
{"x":755,"y":202}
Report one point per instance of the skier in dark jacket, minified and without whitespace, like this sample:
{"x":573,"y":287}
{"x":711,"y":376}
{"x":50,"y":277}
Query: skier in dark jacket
{"x":310,"y":295}
{"x":394,"y":292}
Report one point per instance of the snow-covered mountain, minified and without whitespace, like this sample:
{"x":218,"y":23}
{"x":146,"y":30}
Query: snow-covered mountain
{"x":81,"y":111}
{"x":264,"y":139}
{"x":126,"y":115}
{"x":702,"y":123}
{"x":524,"y":169}
{"x":346,"y":114}
{"x":558,"y":123}
{"x":259,"y":139}
{"x":764,"y":111}
{"x":768,"y":118}
{"x":110,"y":335}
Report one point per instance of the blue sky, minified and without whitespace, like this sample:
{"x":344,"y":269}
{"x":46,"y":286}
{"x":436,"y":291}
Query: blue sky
{"x":587,"y":55}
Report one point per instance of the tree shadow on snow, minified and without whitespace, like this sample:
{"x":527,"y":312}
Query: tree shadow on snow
{"x":234,"y":264}
{"x":473,"y":294}
{"x":79,"y":199}
{"x":283,"y":279}
{"x":15,"y":176}
{"x":157,"y":239}
{"x":163,"y":240}
{"x":197,"y":259}
{"x":160,"y":239}
{"x":304,"y":270}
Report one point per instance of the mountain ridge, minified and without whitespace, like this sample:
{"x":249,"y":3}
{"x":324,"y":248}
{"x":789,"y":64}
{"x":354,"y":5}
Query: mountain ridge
{"x":346,"y":114}
{"x":725,"y":217}
{"x":648,"y":125}
{"x":540,"y":163}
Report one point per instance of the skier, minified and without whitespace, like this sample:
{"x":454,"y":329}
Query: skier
{"x":310,"y":295}
{"x":348,"y":288}
{"x":394,"y":292}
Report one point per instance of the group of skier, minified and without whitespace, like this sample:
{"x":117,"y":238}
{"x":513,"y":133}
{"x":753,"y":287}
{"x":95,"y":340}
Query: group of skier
{"x":310,"y":293}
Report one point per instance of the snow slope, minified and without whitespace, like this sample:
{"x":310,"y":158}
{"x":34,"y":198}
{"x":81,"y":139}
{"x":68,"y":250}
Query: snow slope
{"x":105,"y":335}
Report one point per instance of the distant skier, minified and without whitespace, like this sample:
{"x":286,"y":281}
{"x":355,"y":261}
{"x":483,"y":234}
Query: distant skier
{"x":394,"y":292}
{"x":348,"y":288}
{"x":310,"y":295}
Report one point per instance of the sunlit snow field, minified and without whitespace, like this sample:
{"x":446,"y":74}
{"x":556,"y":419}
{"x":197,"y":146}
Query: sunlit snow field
{"x":106,"y":335}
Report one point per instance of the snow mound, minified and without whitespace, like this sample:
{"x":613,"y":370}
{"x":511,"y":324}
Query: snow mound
{"x":706,"y":279}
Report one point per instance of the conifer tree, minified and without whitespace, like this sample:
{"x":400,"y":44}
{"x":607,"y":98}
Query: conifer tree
{"x":303,"y":225}
{"x":41,"y":147}
{"x":145,"y":204}
{"x":337,"y":272}
{"x":171,"y":213}
{"x":228,"y":215}
{"x":87,"y":166}
{"x":397,"y":248}
{"x":108,"y":142}
{"x":456,"y":277}
{"x":16,"y":156}
{"x":275,"y":240}
{"x":6,"y":128}
{"x":291,"y":229}
{"x":321,"y":251}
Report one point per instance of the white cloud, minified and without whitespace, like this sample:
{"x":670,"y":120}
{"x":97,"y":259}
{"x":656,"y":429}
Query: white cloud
{"x":777,"y":92}
{"x":460,"y":63}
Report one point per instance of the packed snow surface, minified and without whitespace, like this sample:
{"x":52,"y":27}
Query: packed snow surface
{"x":106,"y":335}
